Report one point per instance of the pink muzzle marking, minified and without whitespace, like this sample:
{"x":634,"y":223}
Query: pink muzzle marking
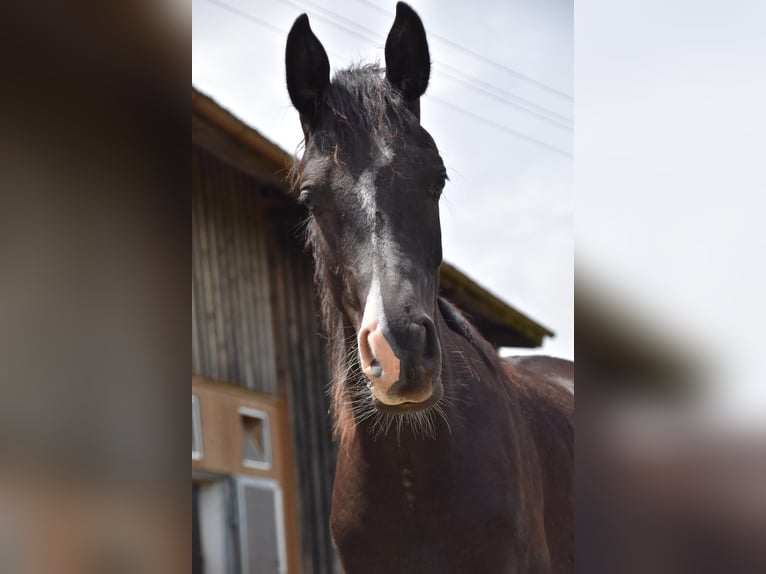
{"x":376,"y":354}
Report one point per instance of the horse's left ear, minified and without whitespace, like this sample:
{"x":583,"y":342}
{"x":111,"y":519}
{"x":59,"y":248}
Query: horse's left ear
{"x":408,"y":64}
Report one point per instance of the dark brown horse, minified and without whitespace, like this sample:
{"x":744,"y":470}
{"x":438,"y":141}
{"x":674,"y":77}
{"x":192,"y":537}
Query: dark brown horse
{"x":450,"y":459}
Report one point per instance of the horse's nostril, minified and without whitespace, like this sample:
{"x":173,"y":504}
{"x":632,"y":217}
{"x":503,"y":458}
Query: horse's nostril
{"x":376,"y":369}
{"x":418,"y":334}
{"x":431,"y":348}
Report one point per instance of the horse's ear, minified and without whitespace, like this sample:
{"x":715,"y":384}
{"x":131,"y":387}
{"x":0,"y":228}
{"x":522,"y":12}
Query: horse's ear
{"x":408,"y":64}
{"x":308,"y":69}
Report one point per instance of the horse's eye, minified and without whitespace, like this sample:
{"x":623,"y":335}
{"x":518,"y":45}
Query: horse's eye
{"x":438,"y":186}
{"x":307,"y":199}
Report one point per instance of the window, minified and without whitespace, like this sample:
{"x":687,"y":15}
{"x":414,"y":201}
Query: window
{"x":262,"y":530}
{"x":196,"y":430}
{"x":256,"y":439}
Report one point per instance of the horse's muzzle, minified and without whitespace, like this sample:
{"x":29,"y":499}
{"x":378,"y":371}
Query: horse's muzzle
{"x":406,"y":372}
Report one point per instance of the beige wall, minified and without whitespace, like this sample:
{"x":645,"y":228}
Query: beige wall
{"x":219,"y":406}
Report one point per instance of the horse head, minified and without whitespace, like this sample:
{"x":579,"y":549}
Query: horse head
{"x":371,"y":178}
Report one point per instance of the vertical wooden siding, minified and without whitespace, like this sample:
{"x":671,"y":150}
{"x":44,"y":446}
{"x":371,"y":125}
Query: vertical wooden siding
{"x":307,"y":374}
{"x":255,"y":325}
{"x":232,"y":335}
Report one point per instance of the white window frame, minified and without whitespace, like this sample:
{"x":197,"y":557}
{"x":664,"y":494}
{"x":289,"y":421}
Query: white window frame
{"x":264,"y":417}
{"x":197,"y":430}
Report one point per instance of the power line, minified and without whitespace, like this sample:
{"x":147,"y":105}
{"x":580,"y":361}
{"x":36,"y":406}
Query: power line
{"x":248,"y":16}
{"x":478,"y":56}
{"x":499,"y":94}
{"x":237,"y":12}
{"x":502,"y":127}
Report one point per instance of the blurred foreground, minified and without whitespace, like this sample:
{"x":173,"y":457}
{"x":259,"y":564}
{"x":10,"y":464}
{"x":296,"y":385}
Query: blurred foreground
{"x":94,"y":321}
{"x":667,"y":480}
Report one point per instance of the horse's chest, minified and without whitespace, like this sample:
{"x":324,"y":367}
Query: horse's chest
{"x":415,"y":522}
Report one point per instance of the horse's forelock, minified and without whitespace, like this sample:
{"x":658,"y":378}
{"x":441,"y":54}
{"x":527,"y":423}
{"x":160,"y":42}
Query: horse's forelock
{"x":360,"y":97}
{"x":359,"y":103}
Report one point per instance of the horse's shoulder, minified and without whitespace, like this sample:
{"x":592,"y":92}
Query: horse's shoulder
{"x":545,"y":383}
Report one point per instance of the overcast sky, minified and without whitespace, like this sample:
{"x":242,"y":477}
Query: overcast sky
{"x":502,"y":121}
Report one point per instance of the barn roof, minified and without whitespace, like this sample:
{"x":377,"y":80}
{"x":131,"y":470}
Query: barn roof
{"x":233,"y":141}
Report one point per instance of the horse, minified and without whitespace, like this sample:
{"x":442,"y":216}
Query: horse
{"x":450,"y":459}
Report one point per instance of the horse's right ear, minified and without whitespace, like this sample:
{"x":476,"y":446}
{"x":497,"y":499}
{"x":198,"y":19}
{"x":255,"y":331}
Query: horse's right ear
{"x":308,"y":69}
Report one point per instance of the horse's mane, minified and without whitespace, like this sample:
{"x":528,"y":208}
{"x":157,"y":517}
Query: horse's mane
{"x":334,"y":325}
{"x":462,"y":326}
{"x":360,"y":97}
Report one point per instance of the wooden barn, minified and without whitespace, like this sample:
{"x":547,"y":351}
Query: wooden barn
{"x":262,"y":453}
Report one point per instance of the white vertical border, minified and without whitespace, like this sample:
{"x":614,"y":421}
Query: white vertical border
{"x":197,"y":430}
{"x":264,"y":484}
{"x":264,"y":416}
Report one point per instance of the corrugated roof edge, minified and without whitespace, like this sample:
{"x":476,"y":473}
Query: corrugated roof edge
{"x":492,"y":306}
{"x":207,"y":108}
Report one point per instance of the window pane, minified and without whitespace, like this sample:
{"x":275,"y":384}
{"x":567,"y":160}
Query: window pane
{"x":261,"y":530}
